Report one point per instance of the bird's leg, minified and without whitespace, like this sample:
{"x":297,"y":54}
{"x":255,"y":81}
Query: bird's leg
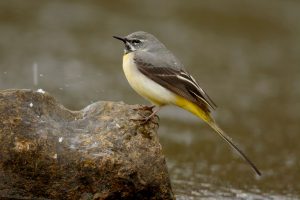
{"x":144,"y":120}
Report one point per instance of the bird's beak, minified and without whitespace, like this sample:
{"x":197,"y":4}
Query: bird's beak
{"x":120,"y":38}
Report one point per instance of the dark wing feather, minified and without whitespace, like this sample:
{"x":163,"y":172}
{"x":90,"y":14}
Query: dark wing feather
{"x":178,"y":81}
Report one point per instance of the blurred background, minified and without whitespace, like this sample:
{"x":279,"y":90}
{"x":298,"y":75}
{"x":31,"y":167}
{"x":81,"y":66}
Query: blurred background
{"x":245,"y":54}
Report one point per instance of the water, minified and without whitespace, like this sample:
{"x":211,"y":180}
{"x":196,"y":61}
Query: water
{"x":244,"y":54}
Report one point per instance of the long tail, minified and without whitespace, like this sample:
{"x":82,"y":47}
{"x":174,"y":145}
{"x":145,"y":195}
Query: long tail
{"x":223,"y":135}
{"x":193,"y":108}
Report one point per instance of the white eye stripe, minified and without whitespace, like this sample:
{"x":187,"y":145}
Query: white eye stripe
{"x":135,"y":42}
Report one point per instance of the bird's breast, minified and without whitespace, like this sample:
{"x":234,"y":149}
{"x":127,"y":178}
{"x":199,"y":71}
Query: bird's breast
{"x":143,"y":85}
{"x":130,"y":69}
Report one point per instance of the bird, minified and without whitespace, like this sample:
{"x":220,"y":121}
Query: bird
{"x":156,"y":74}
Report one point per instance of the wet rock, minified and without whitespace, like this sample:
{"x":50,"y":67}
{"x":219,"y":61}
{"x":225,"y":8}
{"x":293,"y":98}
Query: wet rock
{"x":50,"y":152}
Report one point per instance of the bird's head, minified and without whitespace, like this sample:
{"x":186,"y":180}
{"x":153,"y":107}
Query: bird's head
{"x":140,"y":41}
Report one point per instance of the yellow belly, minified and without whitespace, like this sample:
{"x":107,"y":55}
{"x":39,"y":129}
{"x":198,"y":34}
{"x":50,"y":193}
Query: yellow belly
{"x":144,"y":86}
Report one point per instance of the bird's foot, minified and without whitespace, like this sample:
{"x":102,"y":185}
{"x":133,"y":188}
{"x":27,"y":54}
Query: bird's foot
{"x":143,"y":120}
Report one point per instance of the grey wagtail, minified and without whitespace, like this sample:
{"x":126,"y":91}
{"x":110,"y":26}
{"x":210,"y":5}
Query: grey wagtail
{"x":158,"y":76}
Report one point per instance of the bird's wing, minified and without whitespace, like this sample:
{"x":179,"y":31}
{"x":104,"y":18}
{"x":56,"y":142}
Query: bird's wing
{"x":175,"y":79}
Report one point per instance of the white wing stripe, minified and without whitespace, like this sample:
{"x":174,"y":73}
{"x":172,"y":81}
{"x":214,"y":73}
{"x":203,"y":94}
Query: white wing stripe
{"x":188,"y":80}
{"x":202,"y":99}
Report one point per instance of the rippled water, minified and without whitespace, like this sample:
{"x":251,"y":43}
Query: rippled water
{"x":245,"y":55}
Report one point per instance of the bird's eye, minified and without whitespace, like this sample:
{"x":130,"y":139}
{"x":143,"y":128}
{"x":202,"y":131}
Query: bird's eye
{"x":134,"y":42}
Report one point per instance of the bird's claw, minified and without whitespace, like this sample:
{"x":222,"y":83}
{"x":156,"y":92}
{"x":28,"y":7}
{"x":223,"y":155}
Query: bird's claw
{"x":145,"y":120}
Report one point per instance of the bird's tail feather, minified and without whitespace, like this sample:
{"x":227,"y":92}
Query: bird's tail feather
{"x":193,"y":108}
{"x":224,"y":136}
